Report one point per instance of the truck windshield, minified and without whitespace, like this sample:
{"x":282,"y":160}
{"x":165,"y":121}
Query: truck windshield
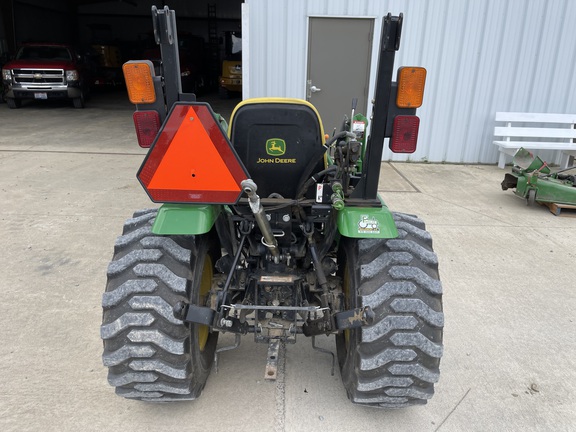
{"x":44,"y":53}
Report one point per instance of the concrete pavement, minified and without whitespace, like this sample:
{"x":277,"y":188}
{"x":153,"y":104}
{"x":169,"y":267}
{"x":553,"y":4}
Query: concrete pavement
{"x":67,"y":182}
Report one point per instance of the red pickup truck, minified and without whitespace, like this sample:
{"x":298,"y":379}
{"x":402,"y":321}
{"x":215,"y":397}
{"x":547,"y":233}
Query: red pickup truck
{"x":45,"y":71}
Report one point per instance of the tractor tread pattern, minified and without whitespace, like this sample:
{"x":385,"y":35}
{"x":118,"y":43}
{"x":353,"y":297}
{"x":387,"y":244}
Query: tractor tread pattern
{"x":176,"y":372}
{"x":128,"y":288}
{"x":145,"y":346}
{"x":160,"y":271}
{"x":158,"y":304}
{"x":126,"y":352}
{"x":159,"y":339}
{"x":397,"y":357}
{"x":127,"y":320}
{"x":418,"y":308}
{"x":131,"y":377}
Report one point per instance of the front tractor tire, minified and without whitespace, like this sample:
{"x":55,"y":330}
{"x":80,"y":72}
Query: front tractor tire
{"x":394,"y":362}
{"x":150,"y":354}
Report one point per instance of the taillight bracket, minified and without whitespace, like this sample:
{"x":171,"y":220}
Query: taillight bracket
{"x":394,"y":110}
{"x":159,"y":105}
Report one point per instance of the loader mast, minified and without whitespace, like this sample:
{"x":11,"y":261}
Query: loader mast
{"x":166,"y":36}
{"x":383,"y":104}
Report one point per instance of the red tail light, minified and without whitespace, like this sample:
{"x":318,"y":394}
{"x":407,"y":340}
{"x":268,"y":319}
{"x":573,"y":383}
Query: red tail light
{"x":404,"y":134}
{"x":147,"y":124}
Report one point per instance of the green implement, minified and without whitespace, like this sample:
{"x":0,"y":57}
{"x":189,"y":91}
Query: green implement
{"x":535,"y":182}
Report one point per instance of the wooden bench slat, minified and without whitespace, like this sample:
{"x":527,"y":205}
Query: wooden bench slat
{"x":537,"y":145}
{"x":527,"y":132}
{"x":562,"y":127}
{"x":516,"y":117}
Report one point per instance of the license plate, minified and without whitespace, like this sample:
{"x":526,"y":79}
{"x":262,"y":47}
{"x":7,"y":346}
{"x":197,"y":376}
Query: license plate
{"x":40,"y":95}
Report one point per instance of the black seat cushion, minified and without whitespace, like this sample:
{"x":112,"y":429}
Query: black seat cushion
{"x":277,"y":142}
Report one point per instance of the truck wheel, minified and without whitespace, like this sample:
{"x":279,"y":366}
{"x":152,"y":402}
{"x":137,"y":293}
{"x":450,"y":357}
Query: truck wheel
{"x":13,"y":103}
{"x":394,"y":362}
{"x":151,"y":355}
{"x":79,"y":102}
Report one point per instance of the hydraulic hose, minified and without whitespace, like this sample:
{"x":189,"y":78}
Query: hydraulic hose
{"x":314,"y":179}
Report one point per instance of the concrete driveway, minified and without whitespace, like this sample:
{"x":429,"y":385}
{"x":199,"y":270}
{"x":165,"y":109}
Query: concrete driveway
{"x":67,"y":182}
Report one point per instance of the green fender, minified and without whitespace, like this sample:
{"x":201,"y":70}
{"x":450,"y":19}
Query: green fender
{"x":367,"y":222}
{"x":193,"y":219}
{"x":185,"y":219}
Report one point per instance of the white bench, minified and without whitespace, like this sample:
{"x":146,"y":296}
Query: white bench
{"x":553,"y":132}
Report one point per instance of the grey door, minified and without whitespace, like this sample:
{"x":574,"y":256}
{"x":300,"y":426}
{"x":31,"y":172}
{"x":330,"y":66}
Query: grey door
{"x":338,"y":67}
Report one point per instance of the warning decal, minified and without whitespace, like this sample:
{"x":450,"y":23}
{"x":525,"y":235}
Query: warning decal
{"x":192,"y":160}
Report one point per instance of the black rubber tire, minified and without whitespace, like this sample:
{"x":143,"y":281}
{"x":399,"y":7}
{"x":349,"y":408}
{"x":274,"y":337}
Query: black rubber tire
{"x":531,"y":197}
{"x":13,"y":103}
{"x":79,"y":102}
{"x":151,"y":355}
{"x":393,"y":363}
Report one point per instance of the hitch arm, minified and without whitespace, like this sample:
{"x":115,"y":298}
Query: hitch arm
{"x":354,"y":318}
{"x":260,"y":215}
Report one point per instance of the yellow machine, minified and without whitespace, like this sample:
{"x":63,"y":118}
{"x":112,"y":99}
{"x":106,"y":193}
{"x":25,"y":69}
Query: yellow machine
{"x":231,"y":79}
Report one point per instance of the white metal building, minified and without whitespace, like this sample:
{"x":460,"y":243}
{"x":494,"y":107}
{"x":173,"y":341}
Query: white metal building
{"x":482,"y":56}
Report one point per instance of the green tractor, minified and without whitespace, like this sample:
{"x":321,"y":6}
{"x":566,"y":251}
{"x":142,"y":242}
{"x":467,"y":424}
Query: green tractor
{"x":271,"y":229}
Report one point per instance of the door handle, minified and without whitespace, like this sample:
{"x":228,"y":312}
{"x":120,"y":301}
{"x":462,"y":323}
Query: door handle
{"x":311,"y":89}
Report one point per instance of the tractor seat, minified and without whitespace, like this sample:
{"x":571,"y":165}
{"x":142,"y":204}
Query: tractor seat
{"x":277,"y":139}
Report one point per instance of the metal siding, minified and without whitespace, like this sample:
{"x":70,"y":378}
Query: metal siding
{"x":481,"y":56}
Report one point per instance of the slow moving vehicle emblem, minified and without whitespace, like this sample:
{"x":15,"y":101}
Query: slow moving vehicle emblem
{"x":275,"y":147}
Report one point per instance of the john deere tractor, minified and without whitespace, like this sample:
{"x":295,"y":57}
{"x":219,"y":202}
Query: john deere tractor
{"x":270,"y":229}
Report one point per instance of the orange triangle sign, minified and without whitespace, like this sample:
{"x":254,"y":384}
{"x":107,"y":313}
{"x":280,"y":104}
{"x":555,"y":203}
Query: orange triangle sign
{"x":192,"y":160}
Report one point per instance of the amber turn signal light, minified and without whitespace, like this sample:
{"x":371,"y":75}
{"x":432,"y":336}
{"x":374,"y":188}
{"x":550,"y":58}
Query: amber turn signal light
{"x":411,"y":82}
{"x":139,"y":77}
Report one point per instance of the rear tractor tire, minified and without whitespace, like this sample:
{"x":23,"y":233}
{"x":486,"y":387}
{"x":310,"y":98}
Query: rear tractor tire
{"x":394,"y":362}
{"x":151,"y":355}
